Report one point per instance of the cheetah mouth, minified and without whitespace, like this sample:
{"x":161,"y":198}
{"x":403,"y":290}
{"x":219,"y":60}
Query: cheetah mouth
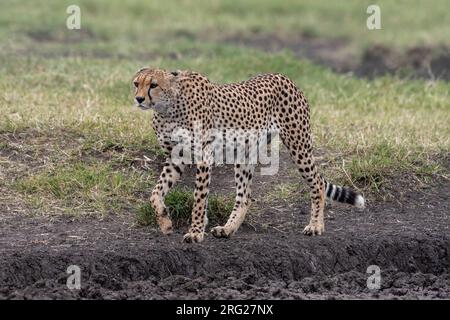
{"x":144,"y":107}
{"x":159,"y":107}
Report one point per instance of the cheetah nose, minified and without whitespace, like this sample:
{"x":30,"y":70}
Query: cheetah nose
{"x":140,"y":99}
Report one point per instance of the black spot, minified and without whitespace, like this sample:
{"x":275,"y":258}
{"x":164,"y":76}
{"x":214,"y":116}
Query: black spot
{"x":177,"y":169}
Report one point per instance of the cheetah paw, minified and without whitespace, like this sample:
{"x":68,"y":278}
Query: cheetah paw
{"x":193,"y":237}
{"x":165,"y":225}
{"x":220,"y":232}
{"x":313,"y":229}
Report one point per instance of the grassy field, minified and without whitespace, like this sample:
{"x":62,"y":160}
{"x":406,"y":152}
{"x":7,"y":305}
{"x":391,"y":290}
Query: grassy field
{"x":70,"y":139}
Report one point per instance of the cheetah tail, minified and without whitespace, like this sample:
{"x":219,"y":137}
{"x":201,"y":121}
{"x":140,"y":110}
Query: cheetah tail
{"x":344,"y":195}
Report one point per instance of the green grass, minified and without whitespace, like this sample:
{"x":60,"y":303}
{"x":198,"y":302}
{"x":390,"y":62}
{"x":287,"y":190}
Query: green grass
{"x":123,"y":26}
{"x":57,"y":81}
{"x":81,"y":188}
{"x":180,"y":202}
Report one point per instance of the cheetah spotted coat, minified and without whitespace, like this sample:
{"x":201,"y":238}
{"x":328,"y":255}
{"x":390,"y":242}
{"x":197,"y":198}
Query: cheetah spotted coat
{"x":264,"y":102}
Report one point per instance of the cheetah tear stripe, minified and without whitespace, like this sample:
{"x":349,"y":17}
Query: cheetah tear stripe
{"x":343,"y":195}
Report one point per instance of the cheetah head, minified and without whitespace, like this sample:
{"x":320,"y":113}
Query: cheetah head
{"x":155,"y":89}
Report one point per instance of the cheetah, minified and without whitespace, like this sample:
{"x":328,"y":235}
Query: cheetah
{"x":182,"y":99}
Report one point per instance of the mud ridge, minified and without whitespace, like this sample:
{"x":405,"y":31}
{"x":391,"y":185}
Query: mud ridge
{"x":136,"y":263}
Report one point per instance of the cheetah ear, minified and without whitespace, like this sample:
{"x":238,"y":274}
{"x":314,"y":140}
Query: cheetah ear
{"x":142,"y":69}
{"x":175,"y":72}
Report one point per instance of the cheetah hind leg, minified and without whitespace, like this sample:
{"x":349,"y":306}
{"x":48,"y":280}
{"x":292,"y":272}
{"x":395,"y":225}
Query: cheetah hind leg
{"x":316,"y":183}
{"x":243,"y":178}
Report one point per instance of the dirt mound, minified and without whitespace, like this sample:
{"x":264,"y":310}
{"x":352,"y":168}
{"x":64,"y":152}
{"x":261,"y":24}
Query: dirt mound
{"x":432,"y":62}
{"x":261,"y":266}
{"x":409,"y":243}
{"x":424,"y":62}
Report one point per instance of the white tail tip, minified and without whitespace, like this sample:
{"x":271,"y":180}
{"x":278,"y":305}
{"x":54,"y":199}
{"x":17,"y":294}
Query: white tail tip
{"x":359,"y":201}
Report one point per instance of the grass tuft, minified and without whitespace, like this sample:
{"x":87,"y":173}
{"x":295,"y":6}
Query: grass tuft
{"x":180,"y":202}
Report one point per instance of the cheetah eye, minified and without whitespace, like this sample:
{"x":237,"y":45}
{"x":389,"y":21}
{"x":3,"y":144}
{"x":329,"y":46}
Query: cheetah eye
{"x":136,"y":84}
{"x":153,"y":85}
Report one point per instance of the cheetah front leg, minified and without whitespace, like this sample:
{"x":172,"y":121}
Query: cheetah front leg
{"x":243,"y":178}
{"x":170,"y":174}
{"x":199,"y":218}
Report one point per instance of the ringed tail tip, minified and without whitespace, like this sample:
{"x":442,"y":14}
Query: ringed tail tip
{"x":359,"y":201}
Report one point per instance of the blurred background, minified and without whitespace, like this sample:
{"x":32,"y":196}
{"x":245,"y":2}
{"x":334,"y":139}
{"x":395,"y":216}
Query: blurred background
{"x":147,"y":30}
{"x":334,"y":34}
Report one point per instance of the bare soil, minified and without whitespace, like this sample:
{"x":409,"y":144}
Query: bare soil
{"x":430,"y":62}
{"x":269,"y":258}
